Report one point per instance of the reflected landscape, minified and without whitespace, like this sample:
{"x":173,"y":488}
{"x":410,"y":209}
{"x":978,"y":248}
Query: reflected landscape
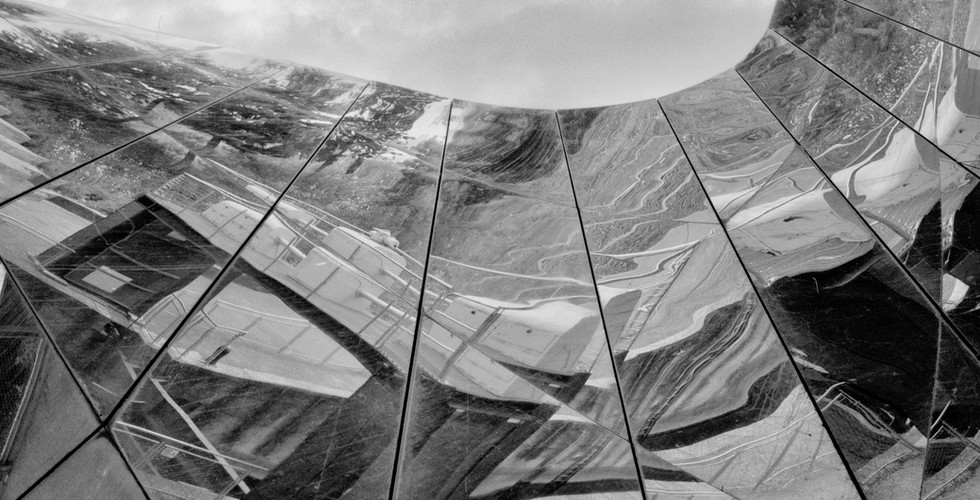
{"x":227,"y":277}
{"x":708,"y":387}
{"x":513,"y":395}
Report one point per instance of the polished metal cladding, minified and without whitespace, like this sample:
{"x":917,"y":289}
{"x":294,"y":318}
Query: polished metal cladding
{"x":95,"y":470}
{"x":837,"y":312}
{"x":300,"y":354}
{"x":912,"y":195}
{"x":36,"y":388}
{"x":114,"y":253}
{"x":21,"y":52}
{"x":884,"y":169}
{"x":926,"y":76}
{"x":228,"y":277}
{"x":67,"y":38}
{"x":52,"y":122}
{"x":708,"y":387}
{"x":895,"y":65}
{"x":513,"y":392}
{"x":951,"y":21}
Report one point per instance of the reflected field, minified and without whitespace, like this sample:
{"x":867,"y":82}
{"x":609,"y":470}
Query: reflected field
{"x":226,"y":277}
{"x":708,"y":388}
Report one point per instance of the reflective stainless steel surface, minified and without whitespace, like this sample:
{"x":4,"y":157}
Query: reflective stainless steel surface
{"x":228,"y":277}
{"x":114,"y":255}
{"x":885,"y":170}
{"x":947,"y":20}
{"x":513,"y":392}
{"x":927,"y":79}
{"x":895,"y":65}
{"x":708,"y":386}
{"x":96,"y":470}
{"x":835,"y":296}
{"x":36,"y":391}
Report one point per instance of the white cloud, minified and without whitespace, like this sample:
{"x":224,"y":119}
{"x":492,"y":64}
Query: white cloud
{"x":532,"y":53}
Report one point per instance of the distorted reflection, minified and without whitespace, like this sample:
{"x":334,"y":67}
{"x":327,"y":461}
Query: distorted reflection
{"x":69,"y":38}
{"x":96,"y":470}
{"x":51,"y":122}
{"x":895,"y":65}
{"x":708,"y":387}
{"x":961,"y":249}
{"x":590,"y":325}
{"x":886,"y":170}
{"x":927,"y":83}
{"x":951,"y":459}
{"x":949,"y":21}
{"x":835,"y":295}
{"x":514,"y":393}
{"x":912,"y":195}
{"x":114,"y":255}
{"x":957,"y":113}
{"x":21,"y":53}
{"x":35,"y":390}
{"x":916,"y":199}
{"x":289,"y":379}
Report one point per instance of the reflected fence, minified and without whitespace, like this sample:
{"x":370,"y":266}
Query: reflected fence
{"x":400,"y":279}
{"x":387,"y":281}
{"x":948,"y":446}
{"x":953,"y":452}
{"x":19,"y":388}
{"x":172,"y":459}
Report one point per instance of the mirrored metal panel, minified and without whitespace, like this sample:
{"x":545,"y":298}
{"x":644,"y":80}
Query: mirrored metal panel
{"x":906,"y":189}
{"x":70,"y":39}
{"x":952,"y":454}
{"x":693,"y":490}
{"x":299,"y":356}
{"x":896,"y":66}
{"x":741,"y":159}
{"x":836,"y":297}
{"x":480,"y":430}
{"x":960,"y":293}
{"x":630,"y":177}
{"x":888,"y":172}
{"x":94,"y":471}
{"x":162,"y":90}
{"x":957,"y":111}
{"x":697,"y":317}
{"x":162,"y":42}
{"x":53,"y":121}
{"x":608,"y":311}
{"x":20,"y":53}
{"x":524,"y":157}
{"x":115,"y":254}
{"x":949,"y":116}
{"x":949,"y":20}
{"x":42,"y":411}
{"x":512,"y":349}
{"x":508,"y":242}
{"x":38,"y":12}
{"x":378,"y":170}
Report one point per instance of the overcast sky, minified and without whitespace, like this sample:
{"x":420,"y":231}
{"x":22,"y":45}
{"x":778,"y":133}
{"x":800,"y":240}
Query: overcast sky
{"x":528,"y":53}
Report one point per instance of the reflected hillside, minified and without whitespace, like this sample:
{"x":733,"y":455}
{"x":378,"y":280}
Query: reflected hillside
{"x":229,"y":277}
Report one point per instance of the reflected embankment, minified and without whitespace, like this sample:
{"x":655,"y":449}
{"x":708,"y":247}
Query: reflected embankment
{"x":515,"y":394}
{"x":587,"y":324}
{"x":913,"y":196}
{"x":711,"y":395}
